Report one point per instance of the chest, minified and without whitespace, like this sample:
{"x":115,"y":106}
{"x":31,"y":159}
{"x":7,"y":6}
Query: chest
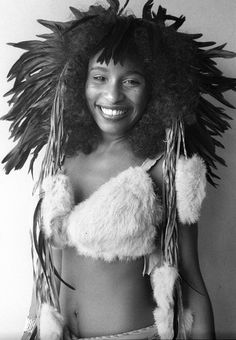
{"x":88,"y":175}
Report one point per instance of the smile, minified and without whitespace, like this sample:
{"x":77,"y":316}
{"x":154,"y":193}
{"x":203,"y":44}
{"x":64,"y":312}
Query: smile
{"x":109,"y":113}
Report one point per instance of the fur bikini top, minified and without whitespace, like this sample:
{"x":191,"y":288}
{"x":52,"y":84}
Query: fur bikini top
{"x":118,"y":221}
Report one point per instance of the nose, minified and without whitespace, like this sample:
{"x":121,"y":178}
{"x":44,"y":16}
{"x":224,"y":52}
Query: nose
{"x":114,"y":93}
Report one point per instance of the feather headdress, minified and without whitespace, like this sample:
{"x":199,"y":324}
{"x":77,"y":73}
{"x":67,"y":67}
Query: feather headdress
{"x":39,"y":100}
{"x":40,"y":75}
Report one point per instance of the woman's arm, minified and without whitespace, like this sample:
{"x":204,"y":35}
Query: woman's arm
{"x":195,"y":296}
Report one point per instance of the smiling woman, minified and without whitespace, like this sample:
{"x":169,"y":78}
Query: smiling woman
{"x":129,"y":147}
{"x":116,"y":95}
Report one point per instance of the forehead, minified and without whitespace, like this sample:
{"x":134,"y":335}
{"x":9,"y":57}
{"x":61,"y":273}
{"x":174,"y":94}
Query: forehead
{"x":127,"y":65}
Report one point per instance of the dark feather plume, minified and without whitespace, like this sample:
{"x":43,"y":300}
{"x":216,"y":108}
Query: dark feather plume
{"x":123,"y":8}
{"x":114,"y":6}
{"x":147,"y":10}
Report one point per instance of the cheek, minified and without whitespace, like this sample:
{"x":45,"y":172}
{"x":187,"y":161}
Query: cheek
{"x":90,"y":92}
{"x":141,"y":100}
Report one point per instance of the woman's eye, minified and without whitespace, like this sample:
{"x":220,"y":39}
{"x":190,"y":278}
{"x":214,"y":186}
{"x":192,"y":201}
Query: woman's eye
{"x":131,"y":82}
{"x":99,"y":78}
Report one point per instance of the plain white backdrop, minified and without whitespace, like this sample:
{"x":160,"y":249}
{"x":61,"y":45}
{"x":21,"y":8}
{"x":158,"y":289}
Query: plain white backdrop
{"x":217,"y":20}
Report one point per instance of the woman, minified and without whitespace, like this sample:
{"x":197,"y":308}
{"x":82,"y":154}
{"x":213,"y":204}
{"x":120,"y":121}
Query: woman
{"x":122,"y":182}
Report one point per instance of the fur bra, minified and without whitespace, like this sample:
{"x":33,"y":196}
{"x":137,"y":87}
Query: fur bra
{"x":190,"y":184}
{"x":119,"y":220}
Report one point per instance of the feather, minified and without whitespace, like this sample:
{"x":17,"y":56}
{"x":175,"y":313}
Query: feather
{"x":77,"y":23}
{"x":160,"y":16}
{"x":114,"y":5}
{"x":123,"y":8}
{"x":56,"y":27}
{"x":77,"y":13}
{"x":147,"y":10}
{"x":35,"y":74}
{"x":201,"y":44}
{"x":178,"y":22}
{"x":219,"y":52}
{"x":58,"y":275}
{"x":37,"y":235}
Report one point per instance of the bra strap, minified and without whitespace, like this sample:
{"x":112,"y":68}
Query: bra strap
{"x":149,"y":163}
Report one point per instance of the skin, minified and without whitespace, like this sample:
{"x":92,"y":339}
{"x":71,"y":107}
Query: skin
{"x":118,"y":88}
{"x":95,"y":306}
{"x":195,"y":293}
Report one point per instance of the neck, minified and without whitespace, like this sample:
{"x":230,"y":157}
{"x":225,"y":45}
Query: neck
{"x":114,"y":142}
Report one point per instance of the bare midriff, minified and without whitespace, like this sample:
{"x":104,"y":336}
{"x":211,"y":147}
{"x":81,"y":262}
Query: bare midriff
{"x":109,"y":298}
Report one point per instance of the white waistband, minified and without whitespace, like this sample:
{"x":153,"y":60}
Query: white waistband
{"x":147,"y":333}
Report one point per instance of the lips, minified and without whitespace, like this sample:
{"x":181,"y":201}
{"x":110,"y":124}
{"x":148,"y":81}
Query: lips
{"x":113,"y":113}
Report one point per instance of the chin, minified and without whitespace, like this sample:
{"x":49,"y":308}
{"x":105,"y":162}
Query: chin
{"x":115,"y":125}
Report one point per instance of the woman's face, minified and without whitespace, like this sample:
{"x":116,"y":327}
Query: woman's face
{"x":116,"y":95}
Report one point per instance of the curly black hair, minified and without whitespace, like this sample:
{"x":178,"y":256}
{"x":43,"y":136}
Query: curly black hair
{"x":166,"y":57}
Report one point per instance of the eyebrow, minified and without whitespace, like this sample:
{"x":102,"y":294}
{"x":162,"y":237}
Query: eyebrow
{"x":98,"y":68}
{"x":104,"y":69}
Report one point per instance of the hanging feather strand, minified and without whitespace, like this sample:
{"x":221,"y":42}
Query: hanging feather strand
{"x":53,"y":158}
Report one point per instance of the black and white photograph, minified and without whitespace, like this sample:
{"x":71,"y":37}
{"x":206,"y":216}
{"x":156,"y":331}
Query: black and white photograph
{"x":118,"y":186}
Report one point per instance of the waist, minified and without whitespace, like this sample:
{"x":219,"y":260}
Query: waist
{"x":109,"y":297}
{"x":84,"y":272}
{"x":147,"y":333}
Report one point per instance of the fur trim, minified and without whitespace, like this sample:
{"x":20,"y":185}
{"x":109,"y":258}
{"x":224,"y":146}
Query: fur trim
{"x":191,"y":188}
{"x":51,"y":323}
{"x":118,"y":220}
{"x":163,"y":281}
{"x":57,"y":203}
{"x":164,"y":323}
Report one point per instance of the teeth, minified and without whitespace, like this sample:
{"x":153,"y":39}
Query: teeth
{"x":112,"y":113}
